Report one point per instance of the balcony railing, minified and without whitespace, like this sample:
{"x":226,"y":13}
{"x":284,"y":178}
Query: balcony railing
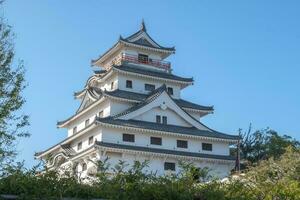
{"x":152,"y":62}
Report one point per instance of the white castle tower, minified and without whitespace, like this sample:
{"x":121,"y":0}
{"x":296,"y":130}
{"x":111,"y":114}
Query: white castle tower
{"x":131,"y":109}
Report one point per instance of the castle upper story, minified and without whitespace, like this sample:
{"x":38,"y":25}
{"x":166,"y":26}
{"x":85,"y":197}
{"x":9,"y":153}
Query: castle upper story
{"x":137,"y":49}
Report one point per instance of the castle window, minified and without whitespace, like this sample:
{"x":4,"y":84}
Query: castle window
{"x":75,"y":130}
{"x":79,"y":146}
{"x":158,"y":119}
{"x":170,"y":91}
{"x":128,"y":137}
{"x":112,"y":85}
{"x":164,"y":120}
{"x":206,"y":147}
{"x":84,"y":166}
{"x":149,"y":87}
{"x":182,"y":144}
{"x":143,"y":58}
{"x":128,"y":84}
{"x":169,"y":166}
{"x":91,"y":140}
{"x":155,"y":140}
{"x":87,"y":122}
{"x":100,"y":114}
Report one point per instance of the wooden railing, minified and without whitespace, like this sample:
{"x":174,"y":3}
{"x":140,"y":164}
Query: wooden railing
{"x":152,"y":62}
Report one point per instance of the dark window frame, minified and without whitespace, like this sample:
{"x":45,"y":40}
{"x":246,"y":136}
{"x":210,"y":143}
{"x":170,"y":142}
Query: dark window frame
{"x":91,"y":140}
{"x":143,"y":58}
{"x":74,"y":129}
{"x":182,"y":144}
{"x":207,"y":146}
{"x":100,"y":114}
{"x":170,"y":90}
{"x":164,"y":119}
{"x":149,"y":87}
{"x":87,"y":122}
{"x":169,"y":166}
{"x":84,"y":166}
{"x":158,"y":119}
{"x":155,"y":140}
{"x":129,"y":84}
{"x":126,"y":137}
{"x":79,"y":146}
{"x":112,"y":85}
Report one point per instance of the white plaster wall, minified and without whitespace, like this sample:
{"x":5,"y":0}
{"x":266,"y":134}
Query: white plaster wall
{"x":80,"y":121}
{"x":96,"y":132}
{"x":117,"y":107}
{"x":172,"y":117}
{"x":168,"y":142}
{"x":106,"y":85}
{"x":156,"y":164}
{"x":138,"y":85}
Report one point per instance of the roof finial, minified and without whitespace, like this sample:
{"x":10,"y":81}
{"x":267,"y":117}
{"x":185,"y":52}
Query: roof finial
{"x":143,"y":26}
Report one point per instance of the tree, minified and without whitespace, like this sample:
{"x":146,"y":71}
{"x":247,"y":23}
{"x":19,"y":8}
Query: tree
{"x":12,"y":83}
{"x":264,"y":144}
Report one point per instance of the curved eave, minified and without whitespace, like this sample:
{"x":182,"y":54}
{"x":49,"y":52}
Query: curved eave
{"x":79,"y":94}
{"x":55,"y":147}
{"x":121,"y":42}
{"x":164,"y":152}
{"x":64,"y":123}
{"x":113,"y":49}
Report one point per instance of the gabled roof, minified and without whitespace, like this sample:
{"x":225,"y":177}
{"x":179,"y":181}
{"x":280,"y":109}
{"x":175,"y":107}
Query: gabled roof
{"x":140,"y":39}
{"x":96,"y":94}
{"x":138,"y":97}
{"x":154,"y":96}
{"x":164,"y":151}
{"x":192,"y":131}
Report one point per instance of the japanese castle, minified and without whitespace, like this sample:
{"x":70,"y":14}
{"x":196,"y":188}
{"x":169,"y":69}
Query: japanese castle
{"x":132,"y":110}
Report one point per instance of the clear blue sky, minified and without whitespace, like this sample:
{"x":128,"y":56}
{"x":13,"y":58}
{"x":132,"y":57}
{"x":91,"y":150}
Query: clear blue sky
{"x":243,"y":55}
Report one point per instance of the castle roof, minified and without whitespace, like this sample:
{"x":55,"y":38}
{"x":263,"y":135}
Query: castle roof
{"x":140,"y":39}
{"x":97,"y":94}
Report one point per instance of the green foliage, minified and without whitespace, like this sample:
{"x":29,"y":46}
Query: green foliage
{"x":12,"y":82}
{"x":264,"y":144}
{"x":271,"y":180}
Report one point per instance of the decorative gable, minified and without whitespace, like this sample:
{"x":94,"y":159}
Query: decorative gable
{"x":160,"y":99}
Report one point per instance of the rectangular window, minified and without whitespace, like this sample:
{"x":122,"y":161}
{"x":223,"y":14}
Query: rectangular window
{"x":112,"y":85}
{"x":128,"y":137}
{"x":75,"y":130}
{"x":143,"y":58}
{"x":164,"y":120}
{"x":87,"y":122}
{"x":206,"y":147}
{"x":84,"y":167}
{"x":149,"y":87}
{"x":79,"y":146}
{"x":182,"y":144}
{"x":158,"y":119}
{"x":169,"y":166}
{"x":155,"y":140}
{"x":91,"y":140}
{"x":170,"y":91}
{"x":100,"y":114}
{"x":128,"y":84}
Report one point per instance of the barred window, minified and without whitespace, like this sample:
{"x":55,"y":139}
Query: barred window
{"x":155,"y":140}
{"x":169,"y":166}
{"x":182,"y":144}
{"x":128,"y":137}
{"x":206,"y":146}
